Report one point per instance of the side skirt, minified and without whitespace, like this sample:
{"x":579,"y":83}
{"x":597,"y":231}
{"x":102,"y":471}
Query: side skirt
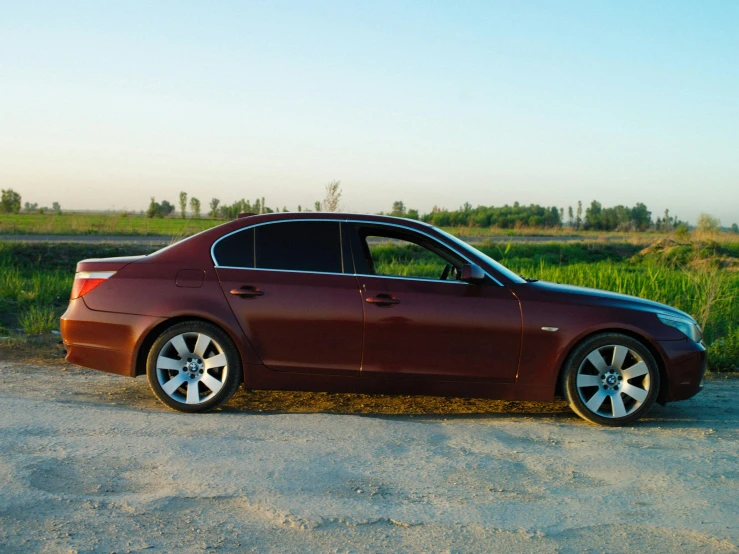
{"x":261,"y":378}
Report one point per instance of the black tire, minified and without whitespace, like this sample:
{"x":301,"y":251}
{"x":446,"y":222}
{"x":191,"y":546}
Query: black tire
{"x":191,"y":374}
{"x":611,"y":379}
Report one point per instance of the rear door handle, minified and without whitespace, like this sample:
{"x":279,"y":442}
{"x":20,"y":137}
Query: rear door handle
{"x":383,"y":300}
{"x":247,"y":291}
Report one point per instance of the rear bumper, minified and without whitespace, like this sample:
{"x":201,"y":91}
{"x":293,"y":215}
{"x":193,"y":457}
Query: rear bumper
{"x":686,"y":366}
{"x":105,"y":341}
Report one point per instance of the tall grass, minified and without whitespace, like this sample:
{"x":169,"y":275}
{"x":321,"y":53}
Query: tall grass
{"x":26,"y":288}
{"x":409,"y":261}
{"x":705,"y":291}
{"x":724,"y":351}
{"x":707,"y":294}
{"x":39,"y":319}
{"x":33,"y":301}
{"x":35,"y":280}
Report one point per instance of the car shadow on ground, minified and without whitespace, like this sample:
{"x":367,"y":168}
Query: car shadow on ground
{"x":715,"y":406}
{"x":137,"y":395}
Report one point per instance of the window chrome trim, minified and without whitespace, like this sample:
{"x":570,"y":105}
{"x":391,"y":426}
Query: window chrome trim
{"x":333,"y":220}
{"x":285,"y":270}
{"x":421,"y":279}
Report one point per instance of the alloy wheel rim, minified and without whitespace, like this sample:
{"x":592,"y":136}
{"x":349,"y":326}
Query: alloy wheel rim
{"x":613,"y":381}
{"x":191,"y":368}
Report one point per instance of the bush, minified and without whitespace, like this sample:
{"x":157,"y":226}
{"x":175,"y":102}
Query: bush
{"x":723,"y":353}
{"x":159,"y":210}
{"x":708,"y":224}
{"x":37,"y":320}
{"x":681,"y":232}
{"x":10,"y":202}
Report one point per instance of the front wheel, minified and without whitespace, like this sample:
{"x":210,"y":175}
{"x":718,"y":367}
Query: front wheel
{"x":193,"y":367}
{"x":611,"y":379}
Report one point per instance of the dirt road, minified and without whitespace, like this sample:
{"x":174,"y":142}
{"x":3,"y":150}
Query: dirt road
{"x":91,"y":462}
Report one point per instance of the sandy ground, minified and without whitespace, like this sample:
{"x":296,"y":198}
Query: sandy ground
{"x":91,"y":462}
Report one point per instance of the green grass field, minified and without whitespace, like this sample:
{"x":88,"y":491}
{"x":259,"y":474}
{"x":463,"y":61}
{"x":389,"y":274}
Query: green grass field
{"x":35,"y":279}
{"x":102,"y":224}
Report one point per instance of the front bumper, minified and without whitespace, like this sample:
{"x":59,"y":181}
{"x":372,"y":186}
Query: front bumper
{"x":686,"y":365}
{"x":105,"y":341}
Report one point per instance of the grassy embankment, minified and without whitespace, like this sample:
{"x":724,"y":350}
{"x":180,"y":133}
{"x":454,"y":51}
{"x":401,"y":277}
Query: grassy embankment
{"x":699,"y":277}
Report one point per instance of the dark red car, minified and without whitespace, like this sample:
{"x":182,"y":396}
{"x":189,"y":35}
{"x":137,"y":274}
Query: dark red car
{"x":310,"y":301}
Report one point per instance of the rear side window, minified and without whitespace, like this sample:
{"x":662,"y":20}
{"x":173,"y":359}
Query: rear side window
{"x":236,"y":250}
{"x":299,"y":246}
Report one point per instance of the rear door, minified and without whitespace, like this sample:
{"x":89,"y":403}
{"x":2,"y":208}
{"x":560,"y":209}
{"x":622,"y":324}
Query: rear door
{"x":287,"y":285}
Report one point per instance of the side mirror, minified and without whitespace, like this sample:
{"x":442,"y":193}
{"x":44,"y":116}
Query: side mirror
{"x":472,"y":273}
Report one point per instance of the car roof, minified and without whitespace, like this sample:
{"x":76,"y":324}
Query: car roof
{"x":251,"y":219}
{"x":205,"y":239}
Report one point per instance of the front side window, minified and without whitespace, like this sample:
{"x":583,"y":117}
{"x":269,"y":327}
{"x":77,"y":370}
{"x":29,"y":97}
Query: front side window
{"x":399,"y":254}
{"x":475,"y":252}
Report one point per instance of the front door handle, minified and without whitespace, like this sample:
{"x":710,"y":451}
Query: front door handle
{"x":383,"y":300}
{"x":247,"y":291}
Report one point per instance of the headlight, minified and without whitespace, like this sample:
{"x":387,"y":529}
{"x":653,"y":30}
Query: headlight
{"x":687,"y":327}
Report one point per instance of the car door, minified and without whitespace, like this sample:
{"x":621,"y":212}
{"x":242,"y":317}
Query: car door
{"x":417,"y":324}
{"x":286,"y":284}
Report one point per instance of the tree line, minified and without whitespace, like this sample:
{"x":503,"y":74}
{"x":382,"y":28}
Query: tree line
{"x":10,"y":203}
{"x":331,"y":203}
{"x":594,"y":217}
{"x":217,"y":210}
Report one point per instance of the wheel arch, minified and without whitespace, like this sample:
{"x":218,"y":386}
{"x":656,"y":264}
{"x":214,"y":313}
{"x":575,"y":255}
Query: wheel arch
{"x":153,"y":333}
{"x":662,"y":393}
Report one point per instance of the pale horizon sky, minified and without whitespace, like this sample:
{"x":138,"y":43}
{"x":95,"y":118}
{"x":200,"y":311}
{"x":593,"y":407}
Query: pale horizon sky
{"x":103,"y":104}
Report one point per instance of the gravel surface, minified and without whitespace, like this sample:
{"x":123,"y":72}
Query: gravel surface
{"x":91,"y":462}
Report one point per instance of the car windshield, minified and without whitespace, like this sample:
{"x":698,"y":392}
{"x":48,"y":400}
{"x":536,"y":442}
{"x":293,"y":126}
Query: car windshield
{"x":467,"y":248}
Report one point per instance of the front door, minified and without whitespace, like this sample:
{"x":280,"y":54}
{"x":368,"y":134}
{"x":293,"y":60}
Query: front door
{"x":286,"y":284}
{"x":421,"y":320}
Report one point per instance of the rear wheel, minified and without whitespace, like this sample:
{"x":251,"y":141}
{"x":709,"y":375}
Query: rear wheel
{"x":611,"y":379}
{"x":193,"y":367}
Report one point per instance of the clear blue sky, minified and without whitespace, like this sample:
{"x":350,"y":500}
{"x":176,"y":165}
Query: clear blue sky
{"x":104,"y":104}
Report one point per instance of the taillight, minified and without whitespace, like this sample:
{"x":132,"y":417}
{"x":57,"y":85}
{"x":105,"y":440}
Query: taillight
{"x":85,"y":281}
